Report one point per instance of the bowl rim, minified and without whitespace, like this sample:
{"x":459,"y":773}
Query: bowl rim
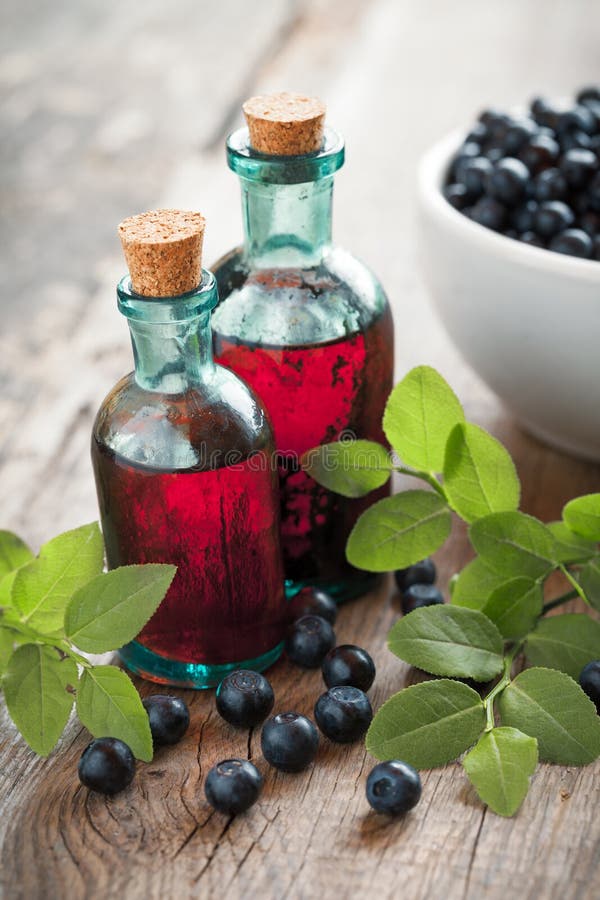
{"x":431,"y":175}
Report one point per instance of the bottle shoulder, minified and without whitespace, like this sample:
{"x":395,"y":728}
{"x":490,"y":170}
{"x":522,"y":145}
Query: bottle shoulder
{"x":212,"y":424}
{"x":291,"y":306}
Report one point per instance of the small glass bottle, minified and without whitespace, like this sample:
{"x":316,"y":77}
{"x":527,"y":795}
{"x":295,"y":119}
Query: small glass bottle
{"x":306,"y":324}
{"x":182,"y":453}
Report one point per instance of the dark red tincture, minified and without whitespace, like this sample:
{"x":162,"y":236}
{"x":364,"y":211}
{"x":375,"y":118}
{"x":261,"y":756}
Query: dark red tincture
{"x":316,"y":394}
{"x":219,"y":527}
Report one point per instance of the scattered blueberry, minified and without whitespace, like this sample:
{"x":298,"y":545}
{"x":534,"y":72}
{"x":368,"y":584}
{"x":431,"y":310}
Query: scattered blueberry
{"x":418,"y":595}
{"x":343,"y":714}
{"x":312,"y":601}
{"x":589,"y":680}
{"x":107,"y":765}
{"x":244,"y":698}
{"x":423,"y":572}
{"x":393,"y":787}
{"x":289,"y":742}
{"x":574,"y":242}
{"x":309,"y":640}
{"x":350,"y":665}
{"x":233,"y":786}
{"x":169,"y":718}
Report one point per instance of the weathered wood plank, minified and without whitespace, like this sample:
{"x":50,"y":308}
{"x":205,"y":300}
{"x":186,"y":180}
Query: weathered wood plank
{"x":396,"y":76}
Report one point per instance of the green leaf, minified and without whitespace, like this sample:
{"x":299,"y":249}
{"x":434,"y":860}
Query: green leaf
{"x":499,"y":767}
{"x":515,"y":606}
{"x":570,"y":547}
{"x":589,"y":579}
{"x":7,"y":646}
{"x":113,"y":608}
{"x":427,"y":725}
{"x":420,"y":414}
{"x":475,"y":584}
{"x":512,"y":543}
{"x":14,"y":553}
{"x":479,"y":474}
{"x":399,"y":531}
{"x":6,"y":586}
{"x":43,"y":588}
{"x":567,"y":642}
{"x":350,"y":468}
{"x":582,"y":516}
{"x":550,"y":706}
{"x":449,"y":640}
{"x":109,"y":706}
{"x":35,"y":687}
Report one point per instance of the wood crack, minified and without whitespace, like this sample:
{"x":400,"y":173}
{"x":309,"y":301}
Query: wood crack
{"x":473,"y":853}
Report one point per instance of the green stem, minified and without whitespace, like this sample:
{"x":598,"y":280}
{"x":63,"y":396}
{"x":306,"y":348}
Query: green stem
{"x":499,"y":687}
{"x":564,"y":598}
{"x":429,"y":477}
{"x":573,"y":581}
{"x":34,"y":637}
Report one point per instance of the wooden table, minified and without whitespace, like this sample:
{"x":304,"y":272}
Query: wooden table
{"x":93,"y":141}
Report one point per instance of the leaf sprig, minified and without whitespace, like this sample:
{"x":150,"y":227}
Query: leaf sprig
{"x":497,"y":609}
{"x":56,"y":605}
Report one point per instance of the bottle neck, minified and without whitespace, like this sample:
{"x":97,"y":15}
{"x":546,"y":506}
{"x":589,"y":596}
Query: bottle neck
{"x":286,"y":224}
{"x":171,"y":336}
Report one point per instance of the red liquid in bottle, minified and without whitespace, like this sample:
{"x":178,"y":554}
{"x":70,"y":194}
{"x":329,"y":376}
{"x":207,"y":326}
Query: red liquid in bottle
{"x":225,"y":603}
{"x":314,"y":394}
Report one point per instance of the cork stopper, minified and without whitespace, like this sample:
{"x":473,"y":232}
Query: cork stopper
{"x":163,"y":251}
{"x":285,"y":124}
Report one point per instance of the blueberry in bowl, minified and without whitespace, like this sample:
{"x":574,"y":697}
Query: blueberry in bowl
{"x":509,"y":241}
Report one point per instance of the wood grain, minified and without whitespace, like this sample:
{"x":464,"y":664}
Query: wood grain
{"x":395,"y":76}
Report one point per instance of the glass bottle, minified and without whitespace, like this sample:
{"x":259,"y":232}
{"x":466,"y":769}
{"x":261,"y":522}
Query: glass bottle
{"x":309,"y":327}
{"x":182,"y":453}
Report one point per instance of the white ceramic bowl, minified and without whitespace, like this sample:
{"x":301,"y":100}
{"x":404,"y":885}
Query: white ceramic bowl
{"x":527,"y":320}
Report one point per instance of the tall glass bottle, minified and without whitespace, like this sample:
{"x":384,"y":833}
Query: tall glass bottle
{"x":306,"y":324}
{"x":182,"y":453}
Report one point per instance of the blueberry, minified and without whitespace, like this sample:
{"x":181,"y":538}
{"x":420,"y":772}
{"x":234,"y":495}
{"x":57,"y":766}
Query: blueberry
{"x":544,"y":113}
{"x":593,"y":192}
{"x":312,"y":601}
{"x":574,"y":242}
{"x":244,"y":698}
{"x":540,"y":152}
{"x":233,"y":786}
{"x":589,"y":679}
{"x":107,"y":765}
{"x":343,"y":714}
{"x":589,"y":222}
{"x":466,"y":152}
{"x":587,"y":94}
{"x":596,"y":250}
{"x":494,"y":154}
{"x":423,"y":572}
{"x":479,"y":134}
{"x":572,"y":140}
{"x":309,"y":639}
{"x":169,"y":718}
{"x":474,"y":174}
{"x":552,"y":217}
{"x":349,"y":665}
{"x":523,"y":216}
{"x":457,"y":196}
{"x":418,"y":595}
{"x":490,"y":213}
{"x":577,"y":119}
{"x":578,"y":166}
{"x":507,"y":180}
{"x":393,"y":787}
{"x":550,"y":184}
{"x":289,"y":742}
{"x":517,"y":134}
{"x":531,"y":238}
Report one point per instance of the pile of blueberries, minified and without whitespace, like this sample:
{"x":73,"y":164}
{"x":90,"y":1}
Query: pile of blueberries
{"x":535,"y":177}
{"x":289,"y":740}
